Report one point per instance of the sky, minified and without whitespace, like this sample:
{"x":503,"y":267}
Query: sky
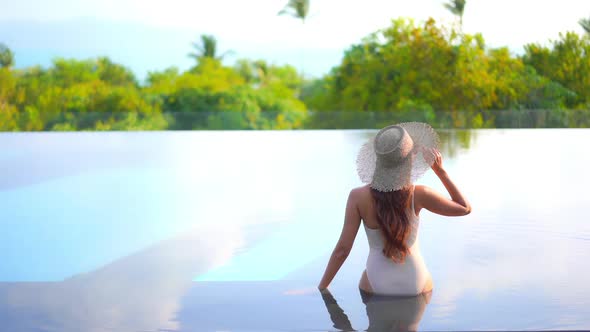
{"x":152,"y":35}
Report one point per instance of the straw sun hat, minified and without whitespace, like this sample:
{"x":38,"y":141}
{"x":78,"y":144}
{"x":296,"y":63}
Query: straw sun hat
{"x":397,"y":155}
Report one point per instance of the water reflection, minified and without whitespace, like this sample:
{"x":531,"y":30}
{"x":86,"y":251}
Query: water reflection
{"x":452,"y":142}
{"x":385,"y":313}
{"x":141,"y":292}
{"x":117,"y":241}
{"x":337,"y":315}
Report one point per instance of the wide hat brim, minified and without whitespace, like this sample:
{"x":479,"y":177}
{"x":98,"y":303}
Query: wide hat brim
{"x":397,"y":177}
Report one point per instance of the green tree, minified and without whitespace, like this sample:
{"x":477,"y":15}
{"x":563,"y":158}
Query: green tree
{"x":400,"y":67}
{"x":207,"y":48}
{"x":6,"y":57}
{"x":254,"y":72}
{"x":428,"y":73}
{"x":261,"y":74}
{"x":8,"y":83}
{"x":251,"y":95}
{"x":115,"y":74}
{"x":79,"y":95}
{"x":8,"y":112}
{"x":457,"y":7}
{"x":566,"y":62}
{"x":8,"y":117}
{"x":68,"y":72}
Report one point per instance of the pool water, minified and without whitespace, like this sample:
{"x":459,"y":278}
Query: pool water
{"x":231,"y":231}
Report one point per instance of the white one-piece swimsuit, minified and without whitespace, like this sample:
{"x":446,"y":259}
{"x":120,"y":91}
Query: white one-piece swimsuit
{"x":390,"y":278}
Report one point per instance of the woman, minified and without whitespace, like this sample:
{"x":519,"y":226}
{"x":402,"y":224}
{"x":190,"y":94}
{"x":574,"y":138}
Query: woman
{"x":389,"y":207}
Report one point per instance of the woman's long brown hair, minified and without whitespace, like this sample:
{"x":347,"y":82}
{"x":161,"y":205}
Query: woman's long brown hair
{"x":391,"y":208}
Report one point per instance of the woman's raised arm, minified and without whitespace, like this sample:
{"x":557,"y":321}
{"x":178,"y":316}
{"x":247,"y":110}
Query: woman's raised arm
{"x":437,"y":203}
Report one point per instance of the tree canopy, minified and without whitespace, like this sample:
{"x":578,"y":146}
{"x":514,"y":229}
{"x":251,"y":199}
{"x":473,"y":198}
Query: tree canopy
{"x":409,"y":70}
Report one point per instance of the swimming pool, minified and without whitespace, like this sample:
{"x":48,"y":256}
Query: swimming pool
{"x":215,"y":230}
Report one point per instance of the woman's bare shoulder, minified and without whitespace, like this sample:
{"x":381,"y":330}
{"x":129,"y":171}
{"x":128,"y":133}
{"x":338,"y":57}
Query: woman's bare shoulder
{"x":359,"y":194}
{"x":362,"y":190}
{"x":420,"y":189}
{"x":420,"y":192}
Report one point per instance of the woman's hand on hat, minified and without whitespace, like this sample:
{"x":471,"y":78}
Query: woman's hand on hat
{"x":437,"y":165}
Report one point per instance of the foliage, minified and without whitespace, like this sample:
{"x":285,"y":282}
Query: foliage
{"x":6,"y":57}
{"x":409,"y":71}
{"x":296,"y":8}
{"x":211,"y":88}
{"x":456,"y":7}
{"x":567,"y":63}
{"x":98,"y":94}
{"x":406,"y":72}
{"x":585,"y":24}
{"x":207,"y":49}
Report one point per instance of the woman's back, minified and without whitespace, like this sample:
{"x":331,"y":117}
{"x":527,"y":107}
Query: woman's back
{"x":385,"y":276}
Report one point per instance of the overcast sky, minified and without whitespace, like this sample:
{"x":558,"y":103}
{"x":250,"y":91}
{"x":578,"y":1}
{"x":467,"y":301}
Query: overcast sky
{"x":253,"y":29}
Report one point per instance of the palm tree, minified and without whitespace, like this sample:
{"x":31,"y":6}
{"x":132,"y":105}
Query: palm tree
{"x":457,"y":7}
{"x":296,"y":8}
{"x":207,"y":48}
{"x":6,"y":57}
{"x":585,"y":23}
{"x":255,"y":72}
{"x":262,"y":71}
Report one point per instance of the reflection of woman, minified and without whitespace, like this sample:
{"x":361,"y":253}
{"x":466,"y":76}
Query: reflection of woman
{"x":389,"y":207}
{"x":385,"y":313}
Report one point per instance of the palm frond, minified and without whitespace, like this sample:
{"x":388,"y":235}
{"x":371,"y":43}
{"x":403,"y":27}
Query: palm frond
{"x":193,"y":55}
{"x":585,"y":23}
{"x":198,"y":47}
{"x":207,"y":48}
{"x":456,"y":7}
{"x":296,"y":8}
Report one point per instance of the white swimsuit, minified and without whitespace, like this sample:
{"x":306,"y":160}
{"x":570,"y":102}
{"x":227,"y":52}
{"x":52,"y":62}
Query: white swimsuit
{"x":389,"y":278}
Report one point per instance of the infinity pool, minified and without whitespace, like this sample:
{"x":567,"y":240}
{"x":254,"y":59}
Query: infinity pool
{"x":231,"y":231}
